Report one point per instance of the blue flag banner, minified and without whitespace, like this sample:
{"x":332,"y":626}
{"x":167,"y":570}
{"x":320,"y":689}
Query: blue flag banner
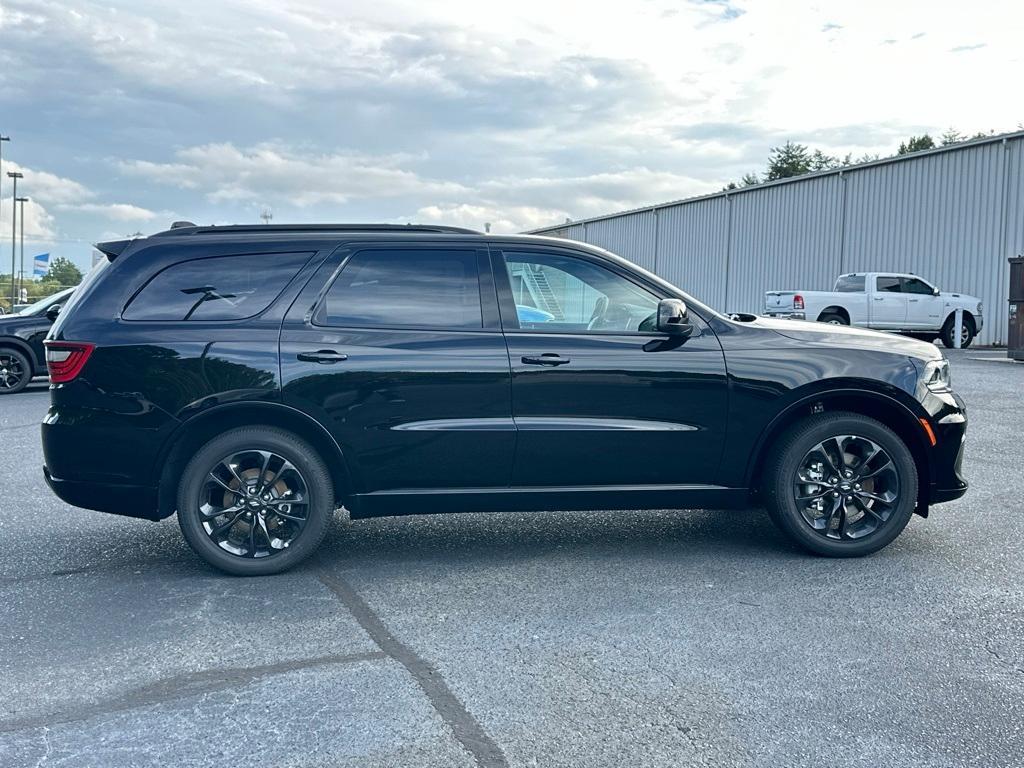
{"x":40,"y":264}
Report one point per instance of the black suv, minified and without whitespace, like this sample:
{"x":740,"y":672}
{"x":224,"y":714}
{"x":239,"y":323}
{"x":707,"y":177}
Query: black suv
{"x":255,"y":378}
{"x":21,"y":342}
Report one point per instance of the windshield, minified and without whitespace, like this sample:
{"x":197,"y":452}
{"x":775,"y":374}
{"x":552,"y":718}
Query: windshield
{"x":40,"y":306}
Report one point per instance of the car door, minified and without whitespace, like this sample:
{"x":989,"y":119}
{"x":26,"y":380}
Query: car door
{"x":924,"y":308}
{"x":599,"y":398}
{"x":397,"y":349}
{"x":888,"y":303}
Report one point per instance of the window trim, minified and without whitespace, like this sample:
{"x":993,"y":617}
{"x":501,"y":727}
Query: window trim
{"x":488,"y":310}
{"x":506,"y":301}
{"x":310,"y":255}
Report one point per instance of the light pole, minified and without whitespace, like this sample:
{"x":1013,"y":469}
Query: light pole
{"x":14,"y":232}
{"x":21,"y":278}
{"x":2,"y":140}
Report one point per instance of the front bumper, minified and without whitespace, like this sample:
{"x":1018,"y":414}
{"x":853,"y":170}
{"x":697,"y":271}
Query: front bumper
{"x":128,"y":500}
{"x":948,"y":482}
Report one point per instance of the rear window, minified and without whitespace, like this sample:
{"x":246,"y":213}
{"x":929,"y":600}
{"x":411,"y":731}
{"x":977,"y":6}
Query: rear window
{"x":429,"y":288}
{"x":850,"y":284}
{"x":217,"y":288}
{"x":888,"y":284}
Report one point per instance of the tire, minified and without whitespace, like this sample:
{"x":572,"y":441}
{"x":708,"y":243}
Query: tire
{"x":236,"y":531}
{"x":948,"y":334}
{"x":15,"y":371}
{"x":832,"y":318}
{"x":845,"y":534}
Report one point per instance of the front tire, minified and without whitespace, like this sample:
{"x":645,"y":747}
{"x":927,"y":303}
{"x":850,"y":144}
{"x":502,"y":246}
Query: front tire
{"x":15,"y":371}
{"x":255,"y":501}
{"x":841,"y":485}
{"x":967,"y":332}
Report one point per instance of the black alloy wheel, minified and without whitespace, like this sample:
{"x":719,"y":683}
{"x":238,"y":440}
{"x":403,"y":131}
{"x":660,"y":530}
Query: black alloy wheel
{"x":255,"y":501}
{"x":15,"y":371}
{"x":841,"y":484}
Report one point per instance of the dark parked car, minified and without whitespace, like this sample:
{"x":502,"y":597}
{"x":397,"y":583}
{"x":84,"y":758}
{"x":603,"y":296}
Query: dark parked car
{"x":254,"y":379}
{"x":21,"y":342}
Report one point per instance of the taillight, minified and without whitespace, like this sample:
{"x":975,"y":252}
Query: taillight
{"x":64,"y":359}
{"x":798,"y":302}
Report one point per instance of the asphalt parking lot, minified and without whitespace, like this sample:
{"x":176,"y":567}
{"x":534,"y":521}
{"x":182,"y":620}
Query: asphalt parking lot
{"x":671,"y":638}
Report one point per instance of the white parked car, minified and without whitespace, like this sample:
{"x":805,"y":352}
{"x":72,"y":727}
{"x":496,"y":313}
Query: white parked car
{"x":888,"y":301}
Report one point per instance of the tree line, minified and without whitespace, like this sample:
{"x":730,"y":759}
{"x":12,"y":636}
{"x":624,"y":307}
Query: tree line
{"x":793,"y":159}
{"x":61,"y":274}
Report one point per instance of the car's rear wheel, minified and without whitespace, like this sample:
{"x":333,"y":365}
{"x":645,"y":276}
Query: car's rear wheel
{"x":15,"y":371}
{"x":833,"y":318}
{"x":841,"y":485}
{"x":967,"y":332}
{"x":255,"y":501}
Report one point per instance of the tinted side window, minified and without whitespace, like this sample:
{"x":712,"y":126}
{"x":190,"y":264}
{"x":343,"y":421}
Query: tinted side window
{"x":913,"y":285}
{"x":429,"y":288}
{"x":563,"y":294}
{"x":217,"y":288}
{"x":889,"y":284}
{"x":850,"y":284}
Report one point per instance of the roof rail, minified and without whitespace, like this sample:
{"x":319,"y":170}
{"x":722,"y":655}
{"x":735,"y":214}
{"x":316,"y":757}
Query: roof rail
{"x":182,"y":228}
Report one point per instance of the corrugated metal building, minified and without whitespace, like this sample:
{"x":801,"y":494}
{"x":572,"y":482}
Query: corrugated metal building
{"x":952,"y":215}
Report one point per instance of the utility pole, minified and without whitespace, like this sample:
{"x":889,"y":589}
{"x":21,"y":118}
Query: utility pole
{"x":2,"y":140}
{"x":14,"y":232}
{"x":21,"y":278}
{"x":266,"y":215}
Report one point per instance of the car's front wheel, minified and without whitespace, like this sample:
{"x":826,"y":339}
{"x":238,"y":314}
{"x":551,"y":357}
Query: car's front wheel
{"x":841,"y":485}
{"x":255,"y":501}
{"x":967,"y":332}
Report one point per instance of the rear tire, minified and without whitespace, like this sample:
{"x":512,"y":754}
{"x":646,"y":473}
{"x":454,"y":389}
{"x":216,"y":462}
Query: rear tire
{"x":15,"y":371}
{"x":250,"y":515}
{"x":948,"y":335}
{"x":861,"y":513}
{"x":833,"y":319}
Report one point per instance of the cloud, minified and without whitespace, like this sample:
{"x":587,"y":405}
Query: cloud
{"x":231,"y":174}
{"x":114,"y":211}
{"x":964,"y":48}
{"x":45,"y":187}
{"x":39,"y":226}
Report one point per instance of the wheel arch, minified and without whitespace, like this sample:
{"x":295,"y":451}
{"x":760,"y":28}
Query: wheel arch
{"x":199,"y":429}
{"x":968,"y":316}
{"x":835,"y":309}
{"x":882,"y":407}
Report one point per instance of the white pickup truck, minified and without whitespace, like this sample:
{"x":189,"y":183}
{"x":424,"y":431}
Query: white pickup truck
{"x":888,"y":301}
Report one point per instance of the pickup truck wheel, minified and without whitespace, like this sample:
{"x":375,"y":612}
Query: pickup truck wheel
{"x":967,"y":332}
{"x":255,"y":501}
{"x":841,"y":485}
{"x":832,"y":319}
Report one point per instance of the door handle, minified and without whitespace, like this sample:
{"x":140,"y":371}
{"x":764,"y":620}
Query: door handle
{"x":879,"y":298}
{"x":325,"y":356}
{"x":548,"y":358}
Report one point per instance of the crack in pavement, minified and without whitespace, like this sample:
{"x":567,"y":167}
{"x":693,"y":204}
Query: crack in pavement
{"x":466,"y":729}
{"x":191,"y":684}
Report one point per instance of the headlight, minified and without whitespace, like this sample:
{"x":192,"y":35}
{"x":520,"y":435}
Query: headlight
{"x":979,"y":309}
{"x":936,"y":375}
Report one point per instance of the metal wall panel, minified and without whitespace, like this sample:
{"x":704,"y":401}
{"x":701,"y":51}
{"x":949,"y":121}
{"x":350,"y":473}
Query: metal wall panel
{"x":782,"y":238}
{"x":691,"y":248}
{"x":631,"y":237}
{"x":940,"y":217}
{"x":952,"y":216}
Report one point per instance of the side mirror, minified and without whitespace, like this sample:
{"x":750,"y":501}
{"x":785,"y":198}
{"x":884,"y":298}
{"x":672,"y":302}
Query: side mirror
{"x":936,"y":291}
{"x":53,"y":311}
{"x":673,"y":318}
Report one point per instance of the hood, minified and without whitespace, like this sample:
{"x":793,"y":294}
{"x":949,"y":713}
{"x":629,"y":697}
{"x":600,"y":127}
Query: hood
{"x":848,"y":336}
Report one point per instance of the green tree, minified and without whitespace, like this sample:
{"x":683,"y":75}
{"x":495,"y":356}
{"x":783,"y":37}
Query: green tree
{"x":788,"y":160}
{"x":916,"y":144}
{"x":952,"y":136}
{"x":63,"y":272}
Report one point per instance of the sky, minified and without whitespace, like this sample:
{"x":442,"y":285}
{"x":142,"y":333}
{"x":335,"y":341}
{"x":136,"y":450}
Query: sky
{"x":127,"y":116}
